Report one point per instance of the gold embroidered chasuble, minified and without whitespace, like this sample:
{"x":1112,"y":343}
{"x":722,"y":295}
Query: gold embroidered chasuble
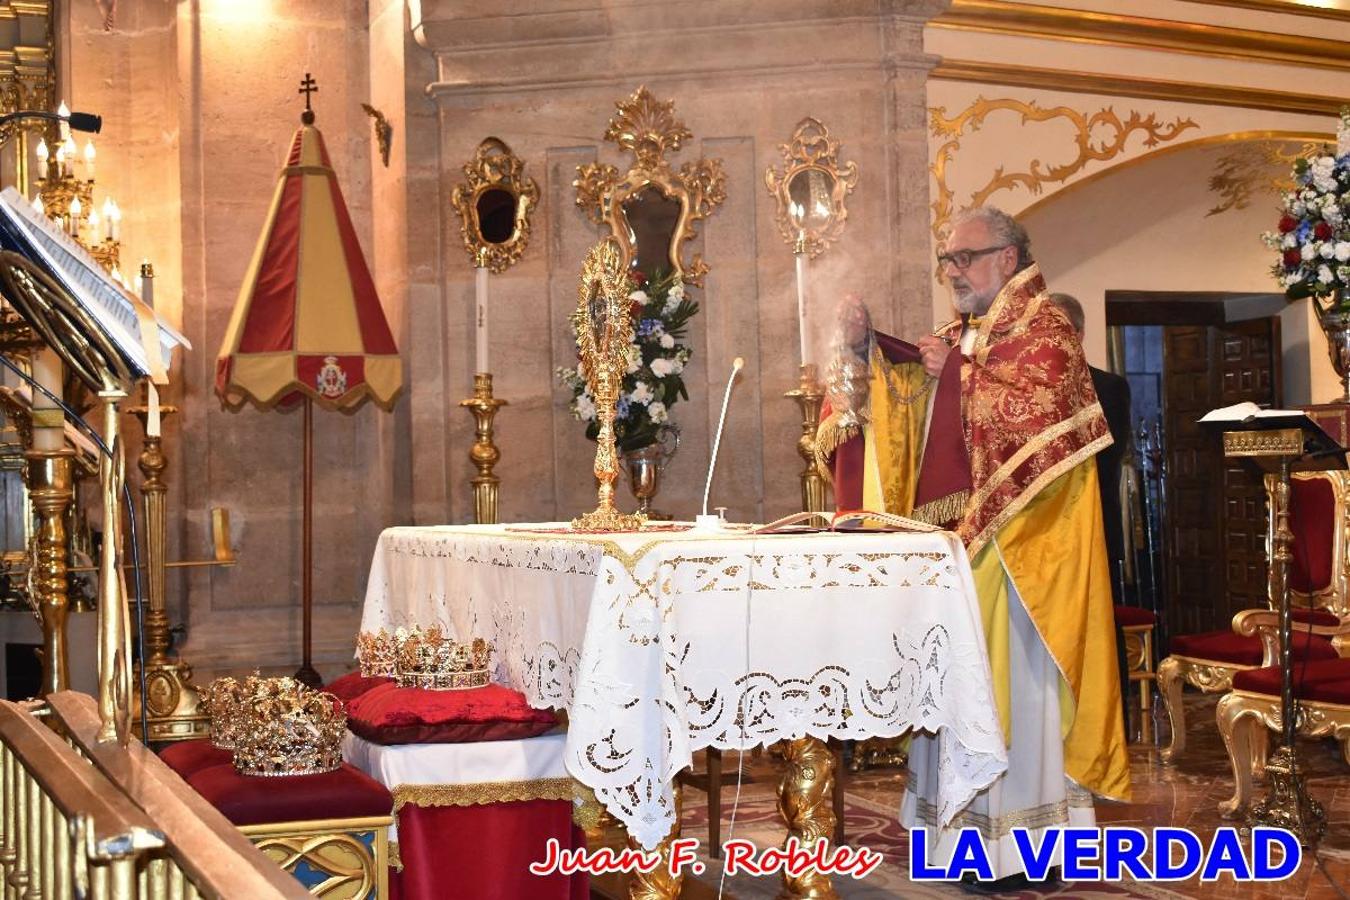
{"x":1018,"y":482}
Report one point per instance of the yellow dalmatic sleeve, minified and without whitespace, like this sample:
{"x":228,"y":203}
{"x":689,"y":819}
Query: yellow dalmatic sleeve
{"x":898,"y":406}
{"x":1055,"y":551}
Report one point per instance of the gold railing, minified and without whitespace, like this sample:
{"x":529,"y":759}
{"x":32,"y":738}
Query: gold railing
{"x":80,"y":818}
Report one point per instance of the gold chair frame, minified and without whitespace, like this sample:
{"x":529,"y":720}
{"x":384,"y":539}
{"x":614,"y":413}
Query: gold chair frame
{"x":1244,"y":717}
{"x":647,"y":128}
{"x":1216,"y":676}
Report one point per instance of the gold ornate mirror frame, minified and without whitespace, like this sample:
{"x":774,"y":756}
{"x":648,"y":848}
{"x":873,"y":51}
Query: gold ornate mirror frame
{"x":811,"y":150}
{"x":604,"y":330}
{"x":494,"y":168}
{"x":647,"y":128}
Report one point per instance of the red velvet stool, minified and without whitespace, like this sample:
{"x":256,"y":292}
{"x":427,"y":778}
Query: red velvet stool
{"x":471,"y":817}
{"x":330,"y":829}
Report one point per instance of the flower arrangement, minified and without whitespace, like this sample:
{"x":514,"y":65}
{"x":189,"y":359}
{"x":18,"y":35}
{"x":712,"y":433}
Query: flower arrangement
{"x":1313,"y":235}
{"x":656,"y":361}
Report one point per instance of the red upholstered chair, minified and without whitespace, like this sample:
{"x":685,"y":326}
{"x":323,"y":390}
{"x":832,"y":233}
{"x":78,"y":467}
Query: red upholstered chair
{"x":1319,"y":582}
{"x":1246,"y":714}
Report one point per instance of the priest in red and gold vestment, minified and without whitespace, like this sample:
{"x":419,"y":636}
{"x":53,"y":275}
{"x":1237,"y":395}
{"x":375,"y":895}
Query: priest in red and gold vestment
{"x":989,"y":428}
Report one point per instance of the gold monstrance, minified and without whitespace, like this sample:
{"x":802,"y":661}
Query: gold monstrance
{"x":604,"y":332}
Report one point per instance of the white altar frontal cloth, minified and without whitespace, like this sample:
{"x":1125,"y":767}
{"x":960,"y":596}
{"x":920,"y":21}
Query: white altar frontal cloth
{"x":662,"y":643}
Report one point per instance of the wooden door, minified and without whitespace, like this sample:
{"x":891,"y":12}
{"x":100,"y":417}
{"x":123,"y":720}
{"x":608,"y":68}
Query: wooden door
{"x":1215,"y":508}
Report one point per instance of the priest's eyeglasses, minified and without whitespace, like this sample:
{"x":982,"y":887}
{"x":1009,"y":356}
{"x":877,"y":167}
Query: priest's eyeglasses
{"x":962,"y":259}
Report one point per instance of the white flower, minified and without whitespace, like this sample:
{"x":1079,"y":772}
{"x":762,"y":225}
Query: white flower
{"x":584,"y":408}
{"x":639,"y":297}
{"x":657,"y":411}
{"x":641,"y":393}
{"x":1288,"y":241}
{"x":1309,"y":251}
{"x":1327,"y":250}
{"x":1324,"y":275}
{"x":677,"y":365}
{"x":667,"y":341}
{"x":634,"y":363}
{"x":661,"y":367}
{"x":677,"y":290}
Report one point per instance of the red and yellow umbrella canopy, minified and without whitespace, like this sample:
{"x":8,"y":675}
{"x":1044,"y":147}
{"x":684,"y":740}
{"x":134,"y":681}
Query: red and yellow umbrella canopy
{"x":308,"y":321}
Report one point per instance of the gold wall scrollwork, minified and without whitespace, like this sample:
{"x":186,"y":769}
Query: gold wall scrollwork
{"x":1251,"y":168}
{"x":1098,"y":137}
{"x":651,"y":204}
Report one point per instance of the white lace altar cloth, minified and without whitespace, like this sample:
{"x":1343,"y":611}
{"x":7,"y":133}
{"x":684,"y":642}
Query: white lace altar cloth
{"x":661,"y":644}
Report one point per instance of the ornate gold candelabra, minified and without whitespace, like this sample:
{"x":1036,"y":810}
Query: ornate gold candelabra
{"x":51,"y":489}
{"x":809,"y":395}
{"x":1287,"y":803}
{"x":484,"y":453}
{"x":174,"y":709}
{"x":68,"y":198}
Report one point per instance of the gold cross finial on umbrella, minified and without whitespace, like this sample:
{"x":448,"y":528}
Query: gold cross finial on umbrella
{"x":307,"y":87}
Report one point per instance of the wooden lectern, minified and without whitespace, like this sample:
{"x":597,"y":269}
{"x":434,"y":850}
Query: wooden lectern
{"x":1280,"y":442}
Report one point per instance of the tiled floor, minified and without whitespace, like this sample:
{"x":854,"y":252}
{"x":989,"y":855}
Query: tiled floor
{"x":1186,"y":794}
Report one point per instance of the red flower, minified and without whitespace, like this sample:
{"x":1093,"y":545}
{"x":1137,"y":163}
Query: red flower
{"x":1322,"y":231}
{"x":1292,"y":258}
{"x":637,"y":277}
{"x":1288,"y":224}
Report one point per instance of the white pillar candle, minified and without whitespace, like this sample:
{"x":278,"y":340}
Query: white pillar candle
{"x":89,"y":159}
{"x":42,"y":156}
{"x":64,"y":111}
{"x":147,"y":288}
{"x":481,"y":319}
{"x":801,"y":306}
{"x":47,"y":372}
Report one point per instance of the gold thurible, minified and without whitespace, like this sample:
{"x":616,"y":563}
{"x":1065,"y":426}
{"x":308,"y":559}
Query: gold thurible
{"x":484,"y":453}
{"x":809,"y":396}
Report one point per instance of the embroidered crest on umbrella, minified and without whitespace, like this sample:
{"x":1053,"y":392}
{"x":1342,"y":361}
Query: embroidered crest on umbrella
{"x":308,"y":326}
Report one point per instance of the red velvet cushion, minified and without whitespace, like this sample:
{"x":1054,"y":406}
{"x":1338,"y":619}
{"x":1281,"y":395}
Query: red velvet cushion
{"x":345,"y":793}
{"x":1224,"y":646}
{"x":1312,"y":519}
{"x":1313,"y":616}
{"x":395,"y":715}
{"x":1130,"y":616}
{"x":353,"y":685}
{"x":187,"y":758}
{"x":1326,"y":680}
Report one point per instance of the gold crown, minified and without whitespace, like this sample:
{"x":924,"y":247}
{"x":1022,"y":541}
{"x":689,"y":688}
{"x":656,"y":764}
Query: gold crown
{"x":291,"y":732}
{"x":377,"y":652}
{"x":227,"y":698}
{"x":427,"y":658}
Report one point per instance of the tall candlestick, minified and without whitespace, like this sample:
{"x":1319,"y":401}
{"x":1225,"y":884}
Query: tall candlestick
{"x":799,"y":254}
{"x":481,"y":317}
{"x":48,"y":423}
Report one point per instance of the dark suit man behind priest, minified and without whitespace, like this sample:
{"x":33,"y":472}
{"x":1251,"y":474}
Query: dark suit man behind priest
{"x":1113,"y":391}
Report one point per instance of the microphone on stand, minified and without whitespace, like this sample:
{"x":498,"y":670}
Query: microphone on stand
{"x":705,"y":521}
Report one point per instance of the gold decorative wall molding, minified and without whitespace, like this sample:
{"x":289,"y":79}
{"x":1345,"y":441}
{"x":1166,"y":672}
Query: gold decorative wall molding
{"x":1202,"y":39}
{"x":1089,"y":147}
{"x":1286,"y":7}
{"x":1079,"y":82}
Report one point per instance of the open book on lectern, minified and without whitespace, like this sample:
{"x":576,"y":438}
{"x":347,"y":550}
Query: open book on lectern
{"x":120,"y":315}
{"x":1248,"y":416}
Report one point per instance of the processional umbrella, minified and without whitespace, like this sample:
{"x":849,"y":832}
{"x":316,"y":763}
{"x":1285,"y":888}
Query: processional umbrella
{"x":308,"y":326}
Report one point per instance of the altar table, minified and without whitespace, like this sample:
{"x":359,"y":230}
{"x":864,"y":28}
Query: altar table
{"x":662,"y":643}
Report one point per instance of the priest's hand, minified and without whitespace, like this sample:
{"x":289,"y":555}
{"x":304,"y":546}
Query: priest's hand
{"x":934,"y":352}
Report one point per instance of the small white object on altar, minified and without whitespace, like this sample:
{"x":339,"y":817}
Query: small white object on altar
{"x":665,"y":642}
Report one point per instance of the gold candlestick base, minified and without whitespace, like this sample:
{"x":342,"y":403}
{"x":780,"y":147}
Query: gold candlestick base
{"x":809,"y":395}
{"x":1287,"y":804}
{"x":484,"y":453}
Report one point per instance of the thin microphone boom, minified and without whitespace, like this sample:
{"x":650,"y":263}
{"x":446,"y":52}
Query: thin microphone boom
{"x":736,"y":366}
